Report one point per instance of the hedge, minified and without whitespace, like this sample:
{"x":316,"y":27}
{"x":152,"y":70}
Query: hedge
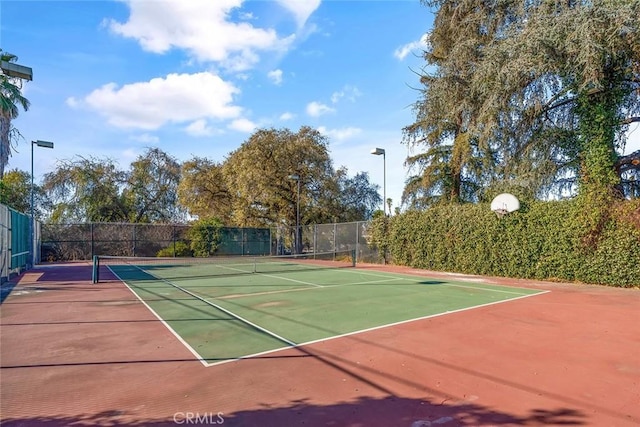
{"x":543,"y":240}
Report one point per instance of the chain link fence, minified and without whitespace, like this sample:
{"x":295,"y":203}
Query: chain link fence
{"x":341,"y":237}
{"x":65,"y":242}
{"x":70,"y":242}
{"x":15,"y":235}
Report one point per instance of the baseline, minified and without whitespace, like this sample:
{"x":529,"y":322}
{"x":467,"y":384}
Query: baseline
{"x":214,"y":305}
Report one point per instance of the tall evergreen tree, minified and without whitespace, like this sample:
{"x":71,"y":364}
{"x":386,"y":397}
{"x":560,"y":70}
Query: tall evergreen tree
{"x":548,"y":87}
{"x":447,"y":169}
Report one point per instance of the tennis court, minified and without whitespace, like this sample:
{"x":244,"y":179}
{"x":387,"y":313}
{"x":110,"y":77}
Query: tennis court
{"x":386,"y":346}
{"x":230,"y":308}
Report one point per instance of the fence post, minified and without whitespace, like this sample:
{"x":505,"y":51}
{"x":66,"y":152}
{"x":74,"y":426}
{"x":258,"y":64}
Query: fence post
{"x":134,"y":239}
{"x":5,"y":243}
{"x":357,"y":240}
{"x":95,"y":270}
{"x":93,"y":247}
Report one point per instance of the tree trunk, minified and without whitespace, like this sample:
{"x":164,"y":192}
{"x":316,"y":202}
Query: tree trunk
{"x":5,"y":143}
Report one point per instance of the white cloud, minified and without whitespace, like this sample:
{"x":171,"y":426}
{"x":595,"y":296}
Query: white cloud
{"x":199,"y":128}
{"x":128,"y":156}
{"x":403,"y":51}
{"x":247,"y":16}
{"x":340,"y":135}
{"x":242,"y":125}
{"x":275,"y":76}
{"x":72,"y":102}
{"x":178,"y":98}
{"x":287,"y":116}
{"x":202,"y":28}
{"x":348,"y":92}
{"x":145,"y":138}
{"x":301,"y":9}
{"x":316,"y":109}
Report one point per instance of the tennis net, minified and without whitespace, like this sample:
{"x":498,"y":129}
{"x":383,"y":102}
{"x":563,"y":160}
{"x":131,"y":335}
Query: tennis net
{"x":174,"y":268}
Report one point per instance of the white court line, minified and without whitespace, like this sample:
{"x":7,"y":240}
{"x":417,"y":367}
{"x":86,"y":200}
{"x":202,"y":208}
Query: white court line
{"x":375,"y":328}
{"x":283,"y":291}
{"x":175,"y":334}
{"x":291,"y":344}
{"x":251,"y":294}
{"x":414,"y":278}
{"x":481,"y":289}
{"x":277,"y":277}
{"x":229,"y":312}
{"x":291,"y":280}
{"x":387,"y":278}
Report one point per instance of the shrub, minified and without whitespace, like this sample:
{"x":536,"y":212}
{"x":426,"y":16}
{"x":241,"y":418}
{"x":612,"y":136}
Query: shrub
{"x":178,"y":249}
{"x":543,"y":240}
{"x":205,"y":237}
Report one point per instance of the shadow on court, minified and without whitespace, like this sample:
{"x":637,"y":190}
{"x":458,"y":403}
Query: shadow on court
{"x":5,"y":290}
{"x":101,"y":358}
{"x":365,"y":411}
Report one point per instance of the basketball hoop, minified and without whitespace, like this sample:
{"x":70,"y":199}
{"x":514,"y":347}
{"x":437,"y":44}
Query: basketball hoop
{"x":504,"y":203}
{"x":501,"y":212}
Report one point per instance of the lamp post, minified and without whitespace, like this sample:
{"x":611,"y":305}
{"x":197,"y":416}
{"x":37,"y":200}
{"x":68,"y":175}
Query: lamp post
{"x":12,"y":69}
{"x":296,"y":177}
{"x":377,"y":152}
{"x":32,"y":223}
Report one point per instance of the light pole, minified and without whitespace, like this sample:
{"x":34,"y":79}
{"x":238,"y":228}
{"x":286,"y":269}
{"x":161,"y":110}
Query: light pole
{"x":32,"y":223}
{"x":12,"y":69}
{"x":296,"y":177}
{"x":377,"y":152}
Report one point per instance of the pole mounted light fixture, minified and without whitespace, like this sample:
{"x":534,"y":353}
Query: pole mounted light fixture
{"x":12,"y":69}
{"x":44,"y":144}
{"x":32,"y":223}
{"x":296,"y":177}
{"x":378,"y":152}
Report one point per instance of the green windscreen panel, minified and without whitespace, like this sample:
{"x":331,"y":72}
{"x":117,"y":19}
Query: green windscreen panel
{"x":19,"y":239}
{"x":244,"y":241}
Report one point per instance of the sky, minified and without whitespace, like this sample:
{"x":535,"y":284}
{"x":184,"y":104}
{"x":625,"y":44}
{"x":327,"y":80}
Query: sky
{"x":197,"y":78}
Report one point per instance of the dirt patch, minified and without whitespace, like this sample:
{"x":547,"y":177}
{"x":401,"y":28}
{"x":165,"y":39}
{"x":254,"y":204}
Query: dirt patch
{"x":271,"y":304}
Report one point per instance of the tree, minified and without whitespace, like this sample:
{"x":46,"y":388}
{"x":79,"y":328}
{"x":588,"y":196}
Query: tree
{"x":10,"y":99}
{"x":86,"y":190}
{"x":15,"y":192}
{"x":260,"y":174}
{"x":449,"y":169}
{"x":542,"y":89}
{"x":628,"y":167}
{"x":348,"y":199}
{"x":569,"y":68}
{"x":96,"y":190}
{"x":359,"y":198}
{"x":151,"y":189}
{"x":203,"y":190}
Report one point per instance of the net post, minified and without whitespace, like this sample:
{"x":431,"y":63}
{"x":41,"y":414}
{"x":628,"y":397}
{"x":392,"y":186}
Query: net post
{"x":95,"y":271}
{"x":353,"y":257}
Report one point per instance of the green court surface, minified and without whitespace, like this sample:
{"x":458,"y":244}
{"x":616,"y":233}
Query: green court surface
{"x":233,"y":316}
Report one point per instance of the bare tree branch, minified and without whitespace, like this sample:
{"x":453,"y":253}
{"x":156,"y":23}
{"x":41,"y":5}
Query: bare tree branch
{"x":628,"y":162}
